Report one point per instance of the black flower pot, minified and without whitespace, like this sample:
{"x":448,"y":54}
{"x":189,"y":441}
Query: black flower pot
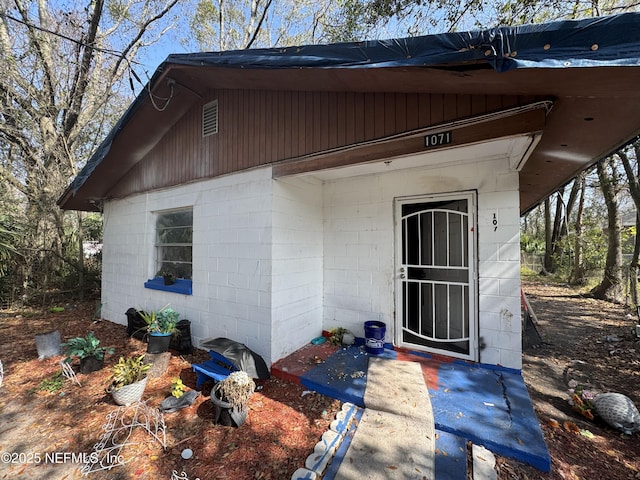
{"x":90,"y":364}
{"x":168,"y":279}
{"x":159,"y":342}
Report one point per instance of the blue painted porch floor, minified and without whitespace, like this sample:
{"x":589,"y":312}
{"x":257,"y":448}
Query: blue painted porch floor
{"x":486,"y":405}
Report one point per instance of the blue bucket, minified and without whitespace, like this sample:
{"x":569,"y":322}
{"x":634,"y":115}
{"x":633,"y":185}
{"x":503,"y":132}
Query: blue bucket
{"x":374,"y":333}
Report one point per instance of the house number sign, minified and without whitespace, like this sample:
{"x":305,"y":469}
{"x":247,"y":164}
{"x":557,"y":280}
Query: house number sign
{"x":437,"y":139}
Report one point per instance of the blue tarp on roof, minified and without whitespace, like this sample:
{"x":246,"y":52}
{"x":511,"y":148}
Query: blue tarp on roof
{"x":613,"y":40}
{"x":595,"y":42}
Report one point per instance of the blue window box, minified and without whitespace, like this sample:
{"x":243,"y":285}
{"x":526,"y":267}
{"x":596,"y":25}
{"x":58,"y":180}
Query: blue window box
{"x":180,"y":286}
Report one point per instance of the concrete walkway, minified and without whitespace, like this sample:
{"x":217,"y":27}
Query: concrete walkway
{"x":395,"y":438}
{"x":485,"y":405}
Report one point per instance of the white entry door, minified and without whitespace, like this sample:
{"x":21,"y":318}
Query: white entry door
{"x":436,"y":278}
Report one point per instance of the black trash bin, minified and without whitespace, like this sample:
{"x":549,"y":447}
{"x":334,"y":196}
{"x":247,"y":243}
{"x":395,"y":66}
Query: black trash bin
{"x":136,"y":326}
{"x":181,"y":340}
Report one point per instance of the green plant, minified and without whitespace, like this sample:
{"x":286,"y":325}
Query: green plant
{"x":53,"y":383}
{"x":177,"y":387}
{"x":148,"y":317}
{"x":128,"y":371}
{"x":161,"y":321}
{"x":336,"y":335}
{"x":83,"y":347}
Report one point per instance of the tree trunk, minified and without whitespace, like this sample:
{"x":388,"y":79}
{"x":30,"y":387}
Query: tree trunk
{"x":81,"y":269}
{"x":633,"y":266}
{"x":577,"y":276}
{"x":634,"y":189}
{"x":547,"y":266}
{"x":611,"y":286}
{"x":556,"y":236}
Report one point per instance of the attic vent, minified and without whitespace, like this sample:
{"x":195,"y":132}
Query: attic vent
{"x":210,"y":118}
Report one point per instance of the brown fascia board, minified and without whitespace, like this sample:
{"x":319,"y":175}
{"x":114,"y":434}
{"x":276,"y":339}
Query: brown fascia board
{"x":134,"y":140}
{"x":520,"y":121}
{"x":575,"y":81}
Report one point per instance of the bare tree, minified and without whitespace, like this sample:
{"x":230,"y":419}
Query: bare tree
{"x":633,"y":177}
{"x":578,"y":272}
{"x":240,"y":24}
{"x":555,"y":234}
{"x":357,"y":19}
{"x":611,"y":285}
{"x":60,"y":91}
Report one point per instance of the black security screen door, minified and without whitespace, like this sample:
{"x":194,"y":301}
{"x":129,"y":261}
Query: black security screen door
{"x":436,"y":307}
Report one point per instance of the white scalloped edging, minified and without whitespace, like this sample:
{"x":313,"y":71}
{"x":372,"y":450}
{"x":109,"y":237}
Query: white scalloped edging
{"x":325,"y":449}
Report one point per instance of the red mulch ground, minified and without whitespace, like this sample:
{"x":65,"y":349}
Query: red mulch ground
{"x":282,"y":427}
{"x":283,"y":424}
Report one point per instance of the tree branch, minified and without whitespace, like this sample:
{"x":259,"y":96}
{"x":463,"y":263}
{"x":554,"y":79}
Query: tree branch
{"x":141,"y":31}
{"x":82,"y":72}
{"x":259,"y":26}
{"x":40,"y":52}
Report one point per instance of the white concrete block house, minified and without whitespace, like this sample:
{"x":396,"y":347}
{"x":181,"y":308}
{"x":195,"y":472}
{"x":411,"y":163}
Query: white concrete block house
{"x":304,"y":188}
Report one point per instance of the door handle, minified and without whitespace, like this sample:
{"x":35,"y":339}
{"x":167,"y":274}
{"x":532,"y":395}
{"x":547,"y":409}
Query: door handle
{"x":402,"y":273}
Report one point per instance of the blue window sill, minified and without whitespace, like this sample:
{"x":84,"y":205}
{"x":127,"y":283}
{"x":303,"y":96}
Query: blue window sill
{"x":180,"y":286}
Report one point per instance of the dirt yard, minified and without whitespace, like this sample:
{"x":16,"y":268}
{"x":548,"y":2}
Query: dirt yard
{"x":41,"y":415}
{"x":590,"y":342}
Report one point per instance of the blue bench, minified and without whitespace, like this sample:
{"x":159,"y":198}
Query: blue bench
{"x":216,"y":369}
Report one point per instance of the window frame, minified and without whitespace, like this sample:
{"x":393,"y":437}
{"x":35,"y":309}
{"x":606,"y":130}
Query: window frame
{"x":181,"y":285}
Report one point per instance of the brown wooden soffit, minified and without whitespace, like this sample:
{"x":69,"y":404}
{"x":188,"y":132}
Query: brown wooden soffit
{"x":507,"y":123}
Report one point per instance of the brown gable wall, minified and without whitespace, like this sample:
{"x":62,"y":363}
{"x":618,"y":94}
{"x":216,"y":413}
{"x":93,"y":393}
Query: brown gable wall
{"x":262,"y":127}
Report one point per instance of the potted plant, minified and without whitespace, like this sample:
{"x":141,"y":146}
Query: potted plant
{"x":161,"y":325}
{"x":341,"y":336}
{"x":231,"y":398}
{"x":128,"y":380}
{"x":89,"y":352}
{"x":167,"y":277}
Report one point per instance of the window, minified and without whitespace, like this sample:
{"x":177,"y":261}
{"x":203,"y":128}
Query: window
{"x":174,"y":243}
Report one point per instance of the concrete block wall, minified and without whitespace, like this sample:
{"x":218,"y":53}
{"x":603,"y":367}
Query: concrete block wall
{"x":359,"y":255}
{"x":499,"y":276}
{"x":297,"y":256}
{"x":231,"y":251}
{"x":275,"y":262}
